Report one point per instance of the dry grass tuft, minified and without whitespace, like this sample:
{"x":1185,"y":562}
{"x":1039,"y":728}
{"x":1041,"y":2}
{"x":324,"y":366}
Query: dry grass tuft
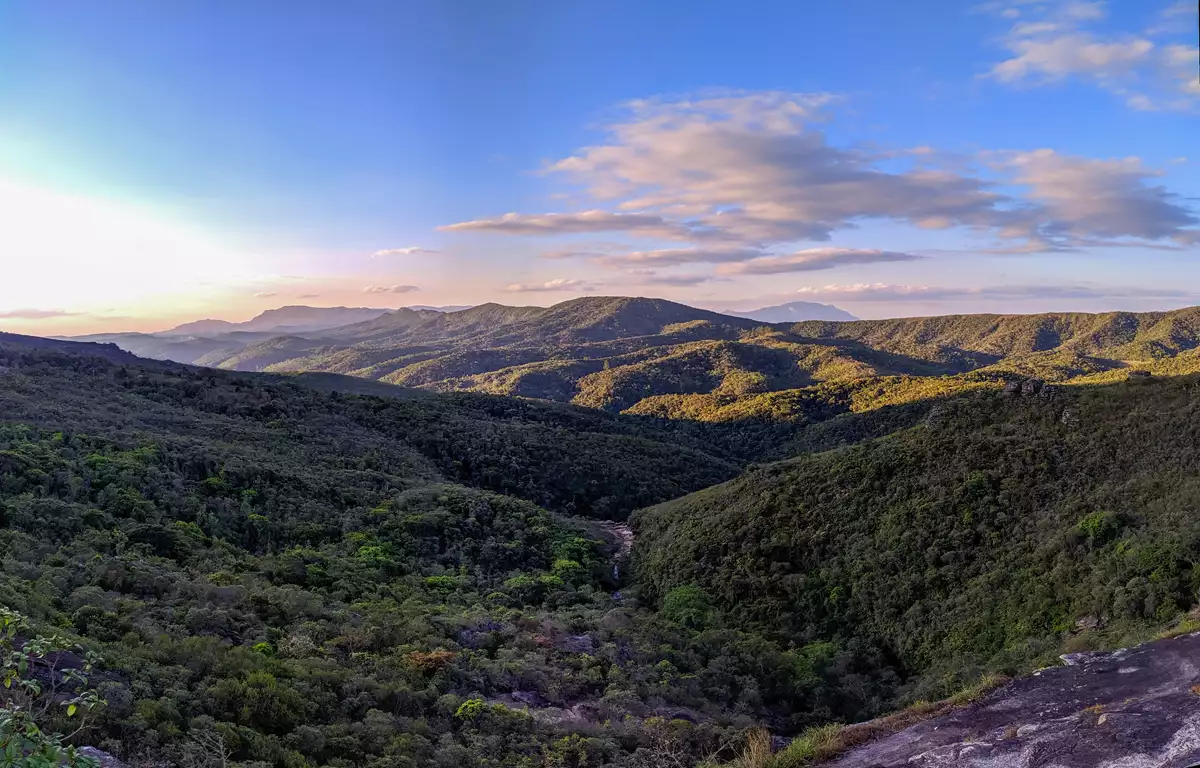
{"x":817,"y":745}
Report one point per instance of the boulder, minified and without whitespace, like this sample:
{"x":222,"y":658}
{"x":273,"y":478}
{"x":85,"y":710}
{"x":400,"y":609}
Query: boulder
{"x":1134,"y":708}
{"x":530,"y":698}
{"x":1030,"y":387}
{"x":935,"y":415}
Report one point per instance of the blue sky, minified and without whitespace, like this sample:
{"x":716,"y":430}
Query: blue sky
{"x":164,"y":161}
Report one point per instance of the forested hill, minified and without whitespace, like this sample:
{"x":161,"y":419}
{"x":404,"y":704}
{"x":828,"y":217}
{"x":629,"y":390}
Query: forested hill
{"x":276,"y":573}
{"x":590,"y":319}
{"x":980,"y":539}
{"x":18,"y":343}
{"x":1111,"y":335}
{"x":570,"y":459}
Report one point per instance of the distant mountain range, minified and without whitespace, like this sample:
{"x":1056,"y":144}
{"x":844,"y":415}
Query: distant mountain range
{"x":659,"y":358}
{"x":444,"y":308}
{"x":290,"y":319}
{"x":796,"y":311}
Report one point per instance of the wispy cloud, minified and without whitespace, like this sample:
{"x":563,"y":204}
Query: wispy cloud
{"x":559,"y":284}
{"x":573,"y":223}
{"x":650,"y":277}
{"x":813,"y":259}
{"x":411,"y":250}
{"x":265,"y":294}
{"x":1146,"y":69}
{"x":309,"y":296}
{"x":1079,"y":202}
{"x":568,"y":253}
{"x":34,"y":314}
{"x":882,"y":292}
{"x":666,"y":257}
{"x":390,"y":289}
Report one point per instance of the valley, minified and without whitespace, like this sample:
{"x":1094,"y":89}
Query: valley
{"x":826,"y":521}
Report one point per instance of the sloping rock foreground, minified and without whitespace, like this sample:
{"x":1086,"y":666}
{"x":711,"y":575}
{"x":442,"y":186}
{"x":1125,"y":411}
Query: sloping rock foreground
{"x":1134,"y":708}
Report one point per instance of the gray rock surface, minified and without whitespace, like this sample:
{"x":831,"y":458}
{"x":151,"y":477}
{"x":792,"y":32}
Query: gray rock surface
{"x":106,"y":760}
{"x":1134,"y":708}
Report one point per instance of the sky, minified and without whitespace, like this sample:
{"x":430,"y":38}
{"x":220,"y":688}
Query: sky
{"x":163,"y":162}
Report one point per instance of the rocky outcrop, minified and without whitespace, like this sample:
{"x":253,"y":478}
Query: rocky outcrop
{"x":1134,"y":708}
{"x":621,"y":535}
{"x":936,"y":415}
{"x":1030,"y":388}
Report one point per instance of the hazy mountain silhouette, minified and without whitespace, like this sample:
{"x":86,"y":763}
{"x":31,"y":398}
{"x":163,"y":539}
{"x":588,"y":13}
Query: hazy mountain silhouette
{"x":795,"y":312}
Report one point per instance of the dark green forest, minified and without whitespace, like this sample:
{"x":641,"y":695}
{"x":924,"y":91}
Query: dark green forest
{"x":316,"y":578}
{"x":977,"y":540}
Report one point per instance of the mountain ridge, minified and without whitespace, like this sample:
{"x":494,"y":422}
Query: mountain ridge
{"x":655,"y":357}
{"x":291,"y":317}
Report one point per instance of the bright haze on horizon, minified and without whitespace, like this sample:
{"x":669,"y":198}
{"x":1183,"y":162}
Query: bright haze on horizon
{"x":163,"y":162}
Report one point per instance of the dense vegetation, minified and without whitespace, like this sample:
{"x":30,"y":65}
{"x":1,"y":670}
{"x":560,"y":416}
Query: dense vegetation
{"x":284,"y":575}
{"x":307,"y":568}
{"x":975,"y":541}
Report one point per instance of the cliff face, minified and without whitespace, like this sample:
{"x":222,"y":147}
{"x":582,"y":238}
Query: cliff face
{"x":1134,"y":708}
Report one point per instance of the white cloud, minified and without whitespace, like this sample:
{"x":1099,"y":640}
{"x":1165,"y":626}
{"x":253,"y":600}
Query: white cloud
{"x":737,"y":175}
{"x":1176,"y":19}
{"x":559,"y":284}
{"x":265,"y":294}
{"x":309,"y":296}
{"x":1054,"y":58}
{"x":1182,"y":63}
{"x":390,"y":289}
{"x":750,"y":169}
{"x":1085,"y":11}
{"x":813,"y":259}
{"x":1081,"y":202}
{"x":411,"y":250}
{"x":1148,"y":73}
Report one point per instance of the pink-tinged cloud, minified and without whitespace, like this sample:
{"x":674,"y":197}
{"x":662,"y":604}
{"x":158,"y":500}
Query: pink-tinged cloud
{"x":411,"y":250}
{"x":559,"y":284}
{"x":813,"y":259}
{"x":390,"y":289}
{"x":34,"y":314}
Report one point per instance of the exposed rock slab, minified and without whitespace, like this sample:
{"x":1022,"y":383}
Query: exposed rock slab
{"x":1134,"y":708}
